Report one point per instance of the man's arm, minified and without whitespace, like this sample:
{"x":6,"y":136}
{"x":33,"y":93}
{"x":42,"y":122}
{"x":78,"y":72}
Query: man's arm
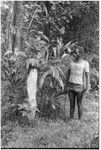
{"x":87,"y":76}
{"x":87,"y":81}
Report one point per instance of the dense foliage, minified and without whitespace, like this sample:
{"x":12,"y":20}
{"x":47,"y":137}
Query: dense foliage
{"x":43,"y":33}
{"x":44,"y":30}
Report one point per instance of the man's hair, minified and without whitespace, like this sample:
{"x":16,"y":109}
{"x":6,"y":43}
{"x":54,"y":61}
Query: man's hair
{"x":80,"y":50}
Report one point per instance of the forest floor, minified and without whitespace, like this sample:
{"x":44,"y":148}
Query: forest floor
{"x":57,"y":133}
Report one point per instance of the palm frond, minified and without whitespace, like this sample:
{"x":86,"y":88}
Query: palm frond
{"x":47,"y":54}
{"x":61,"y":83}
{"x":67,"y":45}
{"x":61,"y":71}
{"x":42,"y":42}
{"x":54,"y":50}
{"x":55,"y":72}
{"x":69,"y":50}
{"x":45,"y":9}
{"x":44,"y":76}
{"x":56,"y":75}
{"x":59,"y":45}
{"x":34,"y":16}
{"x":62,"y":30}
{"x":45,"y":37}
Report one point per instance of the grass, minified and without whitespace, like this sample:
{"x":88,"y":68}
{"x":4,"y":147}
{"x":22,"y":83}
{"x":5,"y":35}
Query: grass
{"x":57,"y":133}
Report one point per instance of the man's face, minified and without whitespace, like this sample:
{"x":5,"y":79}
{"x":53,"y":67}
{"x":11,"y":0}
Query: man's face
{"x":76,"y":55}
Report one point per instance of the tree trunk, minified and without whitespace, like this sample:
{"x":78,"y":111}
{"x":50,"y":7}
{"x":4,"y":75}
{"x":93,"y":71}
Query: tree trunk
{"x":31,"y":91}
{"x":8,"y":30}
{"x":16,"y":36}
{"x":47,"y":25}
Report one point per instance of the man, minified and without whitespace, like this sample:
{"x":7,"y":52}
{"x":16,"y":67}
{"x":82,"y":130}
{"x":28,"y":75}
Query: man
{"x":78,"y":80}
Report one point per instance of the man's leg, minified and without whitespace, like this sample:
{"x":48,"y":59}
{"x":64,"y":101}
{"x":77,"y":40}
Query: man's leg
{"x":71,"y":95}
{"x":79,"y":103}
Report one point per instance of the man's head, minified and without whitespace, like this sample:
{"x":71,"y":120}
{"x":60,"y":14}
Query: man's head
{"x":78,"y":53}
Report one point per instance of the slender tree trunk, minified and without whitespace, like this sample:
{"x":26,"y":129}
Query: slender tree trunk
{"x":47,"y":25}
{"x":14,"y":26}
{"x":9,"y":26}
{"x":16,"y":36}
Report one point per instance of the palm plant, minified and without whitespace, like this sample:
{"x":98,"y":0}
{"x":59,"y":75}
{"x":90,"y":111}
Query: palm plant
{"x":56,"y":72}
{"x":52,"y":67}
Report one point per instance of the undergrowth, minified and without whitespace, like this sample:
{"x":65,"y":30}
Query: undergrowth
{"x":57,"y":133}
